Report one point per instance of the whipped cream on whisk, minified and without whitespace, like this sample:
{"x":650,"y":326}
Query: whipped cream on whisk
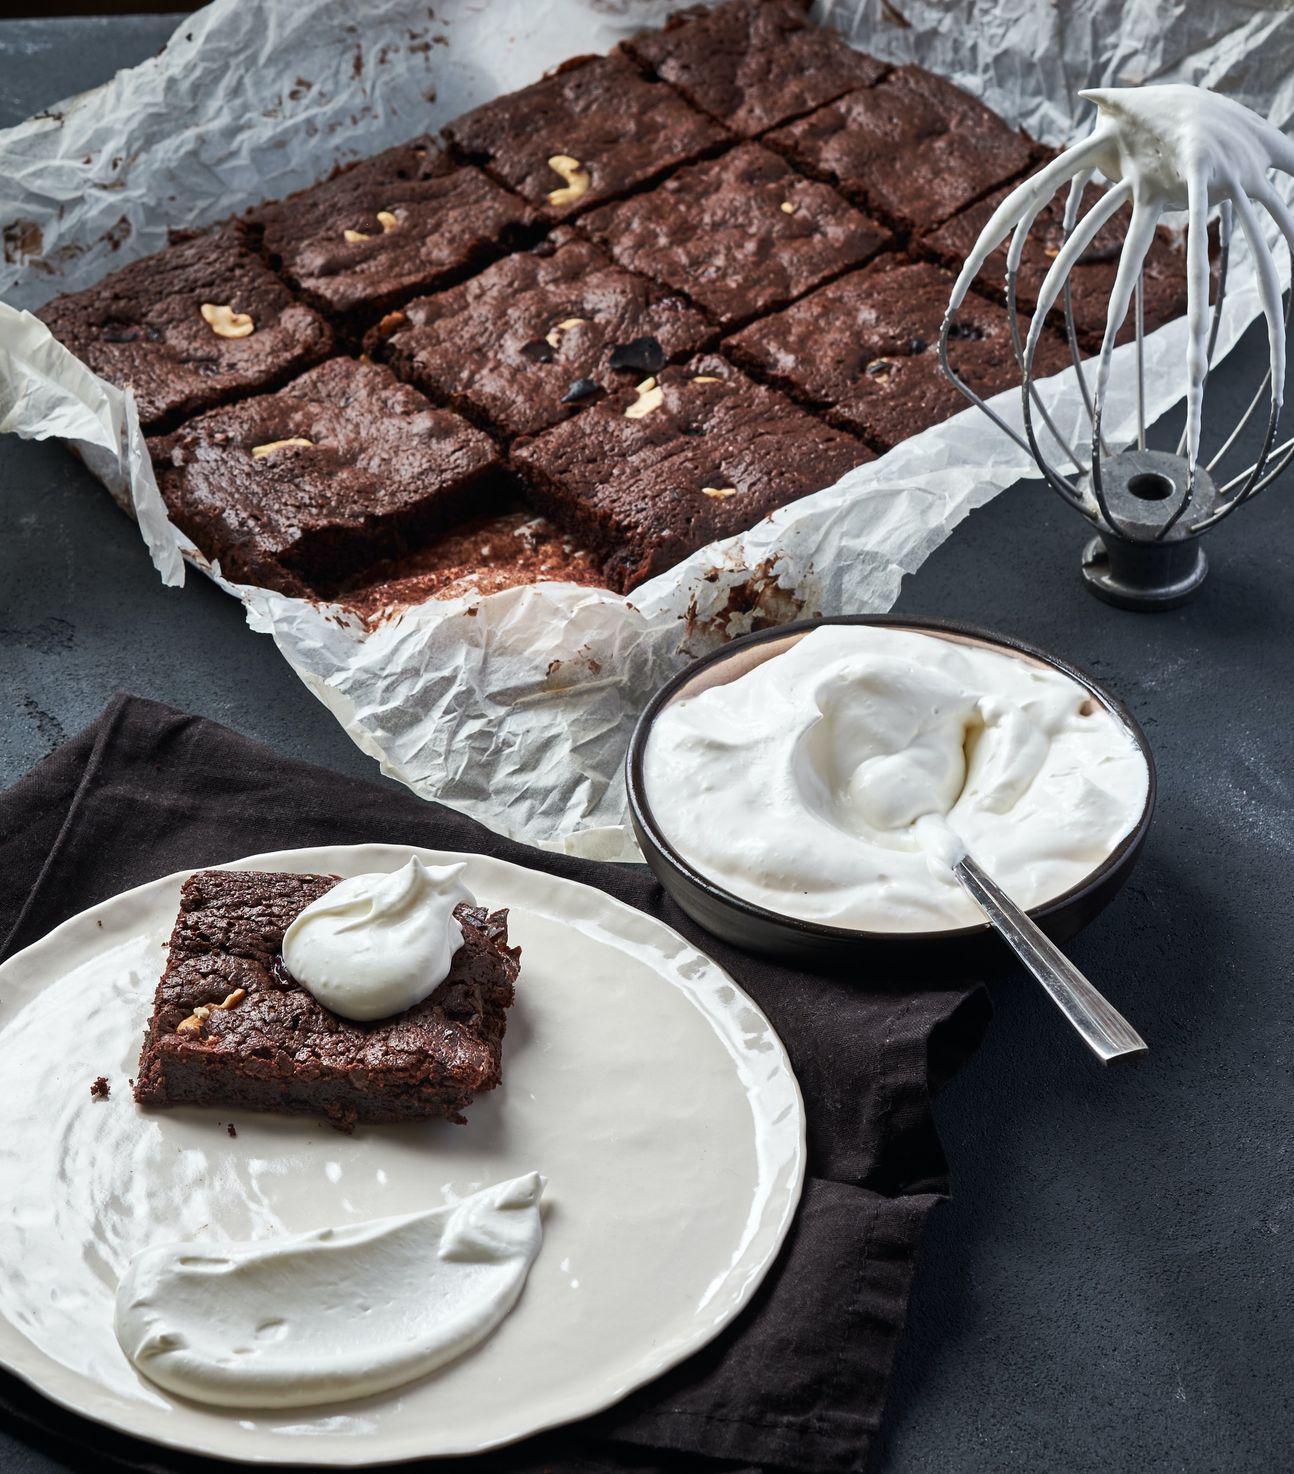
{"x":377,"y":944}
{"x":839,"y":780}
{"x":1165,"y":148}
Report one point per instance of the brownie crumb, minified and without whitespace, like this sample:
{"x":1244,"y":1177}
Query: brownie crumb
{"x":100,"y":1090}
{"x":230,"y":1129}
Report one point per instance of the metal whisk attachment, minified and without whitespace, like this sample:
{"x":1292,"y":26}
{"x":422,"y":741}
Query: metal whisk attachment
{"x":1164,"y":148}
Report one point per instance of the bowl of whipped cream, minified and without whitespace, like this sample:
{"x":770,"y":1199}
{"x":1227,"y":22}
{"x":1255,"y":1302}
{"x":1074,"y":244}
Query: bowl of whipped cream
{"x":805,"y":791}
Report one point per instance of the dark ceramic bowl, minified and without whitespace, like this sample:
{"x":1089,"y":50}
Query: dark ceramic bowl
{"x":813,"y":944}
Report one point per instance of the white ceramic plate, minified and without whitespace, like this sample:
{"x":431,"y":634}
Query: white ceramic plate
{"x":638,"y":1078}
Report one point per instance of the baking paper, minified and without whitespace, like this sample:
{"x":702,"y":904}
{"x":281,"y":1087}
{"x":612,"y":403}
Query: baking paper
{"x":517,"y":706}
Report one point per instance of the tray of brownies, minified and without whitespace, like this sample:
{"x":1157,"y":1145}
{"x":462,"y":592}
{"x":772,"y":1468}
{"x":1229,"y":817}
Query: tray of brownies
{"x":495,"y":425}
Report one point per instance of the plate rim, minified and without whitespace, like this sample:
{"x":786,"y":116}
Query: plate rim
{"x":331,"y":1456}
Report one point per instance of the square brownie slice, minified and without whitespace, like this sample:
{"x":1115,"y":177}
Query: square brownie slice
{"x":864,"y":348}
{"x":753,"y":63}
{"x":195,"y":325}
{"x":230,"y":1027}
{"x":695,"y":453}
{"x":403,"y":221}
{"x":740,"y":234}
{"x":299,"y":490}
{"x":913,"y":148}
{"x":1092,"y":277}
{"x":594,"y":129}
{"x":538,"y":336}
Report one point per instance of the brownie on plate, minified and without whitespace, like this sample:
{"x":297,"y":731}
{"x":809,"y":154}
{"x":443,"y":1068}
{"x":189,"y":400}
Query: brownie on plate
{"x":753,"y":63}
{"x":594,"y":129}
{"x":1092,"y":277}
{"x":865,"y":349}
{"x":740,"y":234}
{"x":695,"y":453}
{"x":483,"y":556}
{"x":199,"y":323}
{"x":232,"y":1028}
{"x":299,"y":490}
{"x":404,"y":221}
{"x":539,"y":336}
{"x":913,"y":148}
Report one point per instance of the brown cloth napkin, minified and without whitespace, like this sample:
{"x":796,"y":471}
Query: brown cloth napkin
{"x":798,"y":1381}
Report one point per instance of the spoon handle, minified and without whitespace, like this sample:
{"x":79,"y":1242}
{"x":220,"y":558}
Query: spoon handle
{"x":1107,"y":1033}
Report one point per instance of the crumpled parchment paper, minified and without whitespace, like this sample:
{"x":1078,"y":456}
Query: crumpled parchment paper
{"x":517,"y":706}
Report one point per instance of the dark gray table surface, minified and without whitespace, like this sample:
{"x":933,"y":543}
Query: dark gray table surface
{"x":1112,"y":1286}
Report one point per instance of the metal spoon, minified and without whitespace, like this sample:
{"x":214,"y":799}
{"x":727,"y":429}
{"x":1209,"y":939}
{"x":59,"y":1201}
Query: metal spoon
{"x":1104,"y":1029}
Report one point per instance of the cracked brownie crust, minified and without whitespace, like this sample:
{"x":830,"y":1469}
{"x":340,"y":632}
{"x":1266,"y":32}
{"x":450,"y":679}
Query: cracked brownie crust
{"x":539,"y":336}
{"x":699,"y":452}
{"x":580,"y":114}
{"x":401,"y":222}
{"x":231,"y":1028}
{"x":753,"y":64}
{"x":865,"y":350}
{"x":914,"y":148}
{"x":740,"y":234}
{"x":144,"y":327}
{"x":298,"y":490}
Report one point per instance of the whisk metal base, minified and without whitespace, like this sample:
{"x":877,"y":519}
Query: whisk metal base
{"x":1117,"y":572}
{"x":1141,"y":566}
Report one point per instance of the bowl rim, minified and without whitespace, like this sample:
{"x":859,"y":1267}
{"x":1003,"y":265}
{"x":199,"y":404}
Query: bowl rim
{"x":645,"y":820}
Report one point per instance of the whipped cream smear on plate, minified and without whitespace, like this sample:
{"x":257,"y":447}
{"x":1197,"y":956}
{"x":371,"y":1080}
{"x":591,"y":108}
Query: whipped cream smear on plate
{"x":333,"y":1314}
{"x":838,"y":780}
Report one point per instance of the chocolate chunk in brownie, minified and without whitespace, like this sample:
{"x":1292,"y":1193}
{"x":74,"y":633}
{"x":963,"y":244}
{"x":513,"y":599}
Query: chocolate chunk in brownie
{"x":230,"y":1026}
{"x":913,"y":148}
{"x":299,"y":490}
{"x":481,"y":557}
{"x":595,"y":129}
{"x":865,"y":349}
{"x":740,"y":234}
{"x":508,"y":347}
{"x":695,"y":453}
{"x":403,"y":221}
{"x":753,"y":63}
{"x":200,"y":323}
{"x":1092,"y":277}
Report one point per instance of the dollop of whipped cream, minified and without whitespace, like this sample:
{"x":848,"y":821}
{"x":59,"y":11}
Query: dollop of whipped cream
{"x":332,"y":1314}
{"x":377,"y":944}
{"x":840,"y":780}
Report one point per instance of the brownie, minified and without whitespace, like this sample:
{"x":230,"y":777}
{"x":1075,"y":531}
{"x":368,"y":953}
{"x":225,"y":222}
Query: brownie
{"x":484,"y":556}
{"x":539,"y":336}
{"x":913,"y":148}
{"x":403,"y":221}
{"x":1091,"y":278}
{"x":617,"y":129}
{"x":381,"y":471}
{"x":865,"y":349}
{"x":193,"y":326}
{"x":753,"y":63}
{"x":740,"y":234}
{"x":231,"y":1027}
{"x":696,"y":453}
